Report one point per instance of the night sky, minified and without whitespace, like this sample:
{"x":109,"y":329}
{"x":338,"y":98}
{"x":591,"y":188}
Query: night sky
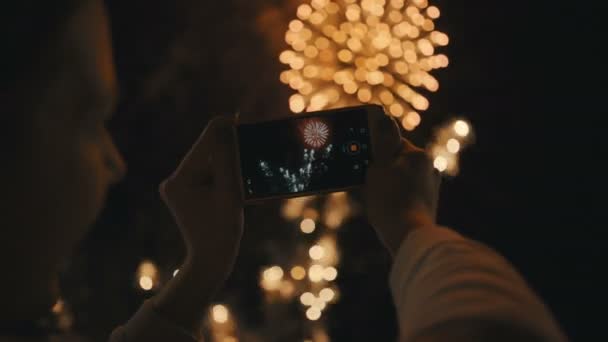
{"x":528,"y":75}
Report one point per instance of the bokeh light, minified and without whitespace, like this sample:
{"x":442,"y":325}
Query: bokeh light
{"x":220,"y":313}
{"x":307,"y":226}
{"x":364,"y":51}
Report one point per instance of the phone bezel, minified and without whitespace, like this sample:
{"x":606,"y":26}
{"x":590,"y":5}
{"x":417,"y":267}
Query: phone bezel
{"x":368,"y":109}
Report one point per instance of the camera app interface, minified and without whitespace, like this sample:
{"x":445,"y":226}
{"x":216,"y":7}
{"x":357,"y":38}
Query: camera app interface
{"x":307,"y":154}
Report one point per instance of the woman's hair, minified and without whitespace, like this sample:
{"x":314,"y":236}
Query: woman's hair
{"x":31,"y":33}
{"x":29,"y":30}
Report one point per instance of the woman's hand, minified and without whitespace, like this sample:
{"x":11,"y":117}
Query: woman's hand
{"x":402,"y":187}
{"x":204,"y":196}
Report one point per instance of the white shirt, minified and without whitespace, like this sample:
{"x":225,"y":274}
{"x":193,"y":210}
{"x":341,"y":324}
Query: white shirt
{"x":441,"y":282}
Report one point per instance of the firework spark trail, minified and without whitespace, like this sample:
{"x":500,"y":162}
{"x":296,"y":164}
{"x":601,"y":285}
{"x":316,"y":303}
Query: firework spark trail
{"x":347,"y":52}
{"x":316,"y":134}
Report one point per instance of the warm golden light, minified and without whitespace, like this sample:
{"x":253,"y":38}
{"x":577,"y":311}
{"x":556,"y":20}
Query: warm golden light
{"x":297,"y":103}
{"x":271,"y":278}
{"x":316,"y":252}
{"x":307,"y":226}
{"x":318,"y":303}
{"x":298,"y":272}
{"x":411,"y":120}
{"x":433,"y":12}
{"x":461,"y":128}
{"x":273,"y":273}
{"x":146,"y":283}
{"x":58,"y":307}
{"x":147,"y":275}
{"x":327,"y":294}
{"x":453,"y":145}
{"x":307,"y":298}
{"x":313,"y":314}
{"x":304,"y":11}
{"x":220,"y":313}
{"x":287,"y":289}
{"x":367,"y":48}
{"x":315,"y":273}
{"x":440,"y":163}
{"x":330,"y":273}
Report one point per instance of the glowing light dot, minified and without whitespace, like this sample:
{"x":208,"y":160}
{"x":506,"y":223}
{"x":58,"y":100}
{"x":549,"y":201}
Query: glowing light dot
{"x":332,"y":8}
{"x":412,"y":119}
{"x":319,"y":4}
{"x":316,"y":18}
{"x":296,"y":25}
{"x":401,"y":67}
{"x":304,"y":11}
{"x":327,"y":294}
{"x":420,"y":102}
{"x":307,"y":298}
{"x":386,"y":97}
{"x":297,"y":103}
{"x":410,"y":56}
{"x":296,"y":82}
{"x":315,"y":273}
{"x":307,"y":226}
{"x":339,"y":37}
{"x":350,"y":87}
{"x":345,"y":56}
{"x":411,"y":11}
{"x":453,"y":145}
{"x":395,"y":16}
{"x":298,"y":272}
{"x":311,"y":51}
{"x":330,"y":273}
{"x":220,"y":313}
{"x":319,"y":303}
{"x":397,"y":4}
{"x":354,"y":44}
{"x":297,"y":63}
{"x":274,"y":273}
{"x":364,"y":95}
{"x":461,"y":128}
{"x":322,"y":43}
{"x":440,"y":163}
{"x":146,"y":283}
{"x":433,"y":12}
{"x":286,"y":56}
{"x":396,"y":109}
{"x":425,"y":46}
{"x":440,"y":38}
{"x":175,"y":272}
{"x":428,"y":25}
{"x":382,"y":59}
{"x":375,"y":77}
{"x":316,"y":252}
{"x":313,"y":314}
{"x":353,"y":13}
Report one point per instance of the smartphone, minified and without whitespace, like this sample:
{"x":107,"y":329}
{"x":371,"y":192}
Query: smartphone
{"x":305,"y":154}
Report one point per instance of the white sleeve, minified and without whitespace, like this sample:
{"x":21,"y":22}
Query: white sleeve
{"x":148,"y":326}
{"x":440,"y":278}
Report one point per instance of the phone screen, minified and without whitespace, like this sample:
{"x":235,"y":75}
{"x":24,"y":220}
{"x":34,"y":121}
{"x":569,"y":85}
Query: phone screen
{"x":319,"y":152}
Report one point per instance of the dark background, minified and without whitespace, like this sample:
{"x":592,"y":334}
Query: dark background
{"x":528,"y":75}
